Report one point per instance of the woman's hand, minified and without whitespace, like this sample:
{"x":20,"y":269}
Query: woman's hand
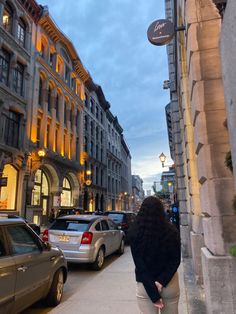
{"x":159,"y":286}
{"x":159,"y":304}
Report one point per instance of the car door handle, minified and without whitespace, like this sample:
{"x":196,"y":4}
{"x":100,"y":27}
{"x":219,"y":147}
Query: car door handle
{"x":22,"y":268}
{"x":52,"y":258}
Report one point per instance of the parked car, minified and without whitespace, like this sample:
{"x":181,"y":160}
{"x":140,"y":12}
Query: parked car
{"x":123,"y":219}
{"x":86,"y":238}
{"x":34,"y":226}
{"x":30,"y":270}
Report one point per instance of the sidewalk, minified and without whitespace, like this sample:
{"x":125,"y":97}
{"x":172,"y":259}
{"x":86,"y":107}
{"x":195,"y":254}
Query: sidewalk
{"x":113,"y":291}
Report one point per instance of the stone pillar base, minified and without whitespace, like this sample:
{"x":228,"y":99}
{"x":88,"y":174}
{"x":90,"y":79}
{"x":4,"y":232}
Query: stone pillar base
{"x":197,"y":242}
{"x":219,"y":273}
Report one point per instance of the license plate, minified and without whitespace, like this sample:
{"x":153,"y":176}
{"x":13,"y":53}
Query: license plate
{"x":64,"y":238}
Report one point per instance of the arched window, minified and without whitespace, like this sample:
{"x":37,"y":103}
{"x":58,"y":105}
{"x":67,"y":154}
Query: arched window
{"x":7,"y":18}
{"x":41,"y":188}
{"x":57,"y":106}
{"x":49,"y":98}
{"x":66,"y":199}
{"x":21,"y":32}
{"x":40,"y":92}
{"x":8,"y":188}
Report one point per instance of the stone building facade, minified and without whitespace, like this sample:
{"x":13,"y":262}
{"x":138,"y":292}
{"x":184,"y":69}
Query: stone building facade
{"x":18,"y":23}
{"x":95,"y":146}
{"x":60,"y":145}
{"x":202,"y":127}
{"x":114,"y":162}
{"x":126,"y":177}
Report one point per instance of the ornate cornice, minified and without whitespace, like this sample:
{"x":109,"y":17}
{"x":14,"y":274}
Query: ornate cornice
{"x":32,"y":8}
{"x":56,"y":35}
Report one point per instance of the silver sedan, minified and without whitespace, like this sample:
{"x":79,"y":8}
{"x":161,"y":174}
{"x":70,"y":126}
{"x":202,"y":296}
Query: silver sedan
{"x":86,"y":238}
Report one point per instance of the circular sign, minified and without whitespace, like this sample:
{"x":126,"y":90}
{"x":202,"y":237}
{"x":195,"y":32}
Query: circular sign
{"x":88,"y":182}
{"x":160,"y":32}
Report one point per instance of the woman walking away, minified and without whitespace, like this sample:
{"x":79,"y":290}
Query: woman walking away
{"x":155,"y":247}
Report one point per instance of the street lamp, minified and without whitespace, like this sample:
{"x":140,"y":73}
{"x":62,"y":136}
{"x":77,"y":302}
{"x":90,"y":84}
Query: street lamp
{"x":162,"y":158}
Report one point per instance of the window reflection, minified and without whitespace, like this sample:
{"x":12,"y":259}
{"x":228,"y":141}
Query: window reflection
{"x":40,"y":187}
{"x":66,"y":193}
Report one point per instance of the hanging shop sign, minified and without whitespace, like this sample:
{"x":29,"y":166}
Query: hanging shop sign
{"x":161,"y":32}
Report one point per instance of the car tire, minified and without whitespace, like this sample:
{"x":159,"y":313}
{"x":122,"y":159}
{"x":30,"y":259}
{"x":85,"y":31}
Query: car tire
{"x":99,"y":261}
{"x":55,"y":293}
{"x":121,"y":249}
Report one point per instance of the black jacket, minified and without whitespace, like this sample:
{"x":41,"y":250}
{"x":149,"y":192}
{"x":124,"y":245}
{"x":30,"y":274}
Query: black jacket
{"x":157,"y":263}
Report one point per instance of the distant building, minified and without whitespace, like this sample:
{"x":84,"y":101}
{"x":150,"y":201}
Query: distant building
{"x":148,"y":193}
{"x":137,"y":191}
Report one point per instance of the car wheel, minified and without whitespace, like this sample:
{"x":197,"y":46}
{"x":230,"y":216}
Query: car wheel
{"x":99,"y":261}
{"x":122,"y":247}
{"x":55,"y":293}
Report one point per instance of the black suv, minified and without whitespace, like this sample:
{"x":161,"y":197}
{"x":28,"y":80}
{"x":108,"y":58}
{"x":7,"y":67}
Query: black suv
{"x":30,"y":269}
{"x":124,"y":219}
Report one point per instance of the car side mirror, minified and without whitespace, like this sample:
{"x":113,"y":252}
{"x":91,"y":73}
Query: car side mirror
{"x":47,"y":246}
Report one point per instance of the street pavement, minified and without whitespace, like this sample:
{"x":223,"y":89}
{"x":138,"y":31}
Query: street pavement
{"x":112,"y":290}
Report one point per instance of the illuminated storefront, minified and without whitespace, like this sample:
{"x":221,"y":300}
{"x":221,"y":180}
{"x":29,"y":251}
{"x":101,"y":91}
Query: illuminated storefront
{"x":66,"y":199}
{"x":8,"y":188}
{"x":40,"y":193}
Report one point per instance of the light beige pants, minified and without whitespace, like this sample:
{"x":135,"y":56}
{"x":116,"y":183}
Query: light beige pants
{"x":169,"y":294}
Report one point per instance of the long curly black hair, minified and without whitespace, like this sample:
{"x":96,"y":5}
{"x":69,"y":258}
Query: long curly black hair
{"x":151,"y":228}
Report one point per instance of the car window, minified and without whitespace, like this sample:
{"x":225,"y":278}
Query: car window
{"x":70,"y":225}
{"x":98,"y":227}
{"x":104,"y":225}
{"x":112,"y":225}
{"x":22,"y":240}
{"x":118,"y":218}
{"x":2,"y":246}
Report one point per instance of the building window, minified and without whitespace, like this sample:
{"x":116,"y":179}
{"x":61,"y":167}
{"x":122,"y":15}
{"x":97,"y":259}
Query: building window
{"x":4,"y":66}
{"x":41,"y":188}
{"x":97,"y":173}
{"x":85,"y":144}
{"x":97,"y":133}
{"x":49,"y":98}
{"x":21,"y":32}
{"x":12,"y":129}
{"x":91,"y":128}
{"x":51,"y":58}
{"x":65,"y":107}
{"x":18,"y":76}
{"x":97,"y":111}
{"x":38,"y":132}
{"x":66,"y":195}
{"x":91,"y":148}
{"x":55,"y":141}
{"x":7,"y":18}
{"x":57,"y":106}
{"x":86,"y":100}
{"x":101,"y":154}
{"x":47,"y":136}
{"x":101,"y":117}
{"x":91,"y":105}
{"x":8,"y":191}
{"x":96,"y":151}
{"x":67,"y":75}
{"x":40,"y":100}
{"x":86,"y":123}
{"x":101,"y":137}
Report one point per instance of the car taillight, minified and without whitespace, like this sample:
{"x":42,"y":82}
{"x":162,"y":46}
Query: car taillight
{"x":45,"y":235}
{"x":87,"y":237}
{"x":124,"y":225}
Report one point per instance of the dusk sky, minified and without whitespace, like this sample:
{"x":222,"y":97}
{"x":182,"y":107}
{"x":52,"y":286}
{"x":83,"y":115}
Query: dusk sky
{"x":110,"y":37}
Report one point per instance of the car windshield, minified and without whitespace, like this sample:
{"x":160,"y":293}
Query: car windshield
{"x":116,"y":217}
{"x":70,"y":225}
